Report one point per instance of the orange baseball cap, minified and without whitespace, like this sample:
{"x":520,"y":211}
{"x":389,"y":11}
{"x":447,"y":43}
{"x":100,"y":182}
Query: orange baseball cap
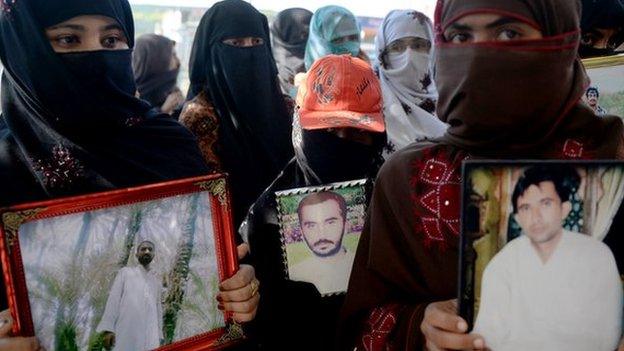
{"x":341,"y":91}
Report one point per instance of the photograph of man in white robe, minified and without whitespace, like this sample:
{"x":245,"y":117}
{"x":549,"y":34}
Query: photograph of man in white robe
{"x":132,"y":319}
{"x":323,"y":221}
{"x":549,"y":289}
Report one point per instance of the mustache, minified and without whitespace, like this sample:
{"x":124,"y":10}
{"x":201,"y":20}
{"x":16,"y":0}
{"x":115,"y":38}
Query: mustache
{"x":323,"y":241}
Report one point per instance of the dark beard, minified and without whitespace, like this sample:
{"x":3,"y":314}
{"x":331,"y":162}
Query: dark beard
{"x":144,"y":260}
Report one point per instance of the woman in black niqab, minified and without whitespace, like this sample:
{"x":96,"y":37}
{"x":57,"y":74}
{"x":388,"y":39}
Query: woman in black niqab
{"x":71,"y":123}
{"x":289,"y":35}
{"x":240,"y":82}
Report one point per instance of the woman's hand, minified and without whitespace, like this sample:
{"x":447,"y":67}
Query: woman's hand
{"x":239,"y":294}
{"x":445,"y":330}
{"x":8,"y":343}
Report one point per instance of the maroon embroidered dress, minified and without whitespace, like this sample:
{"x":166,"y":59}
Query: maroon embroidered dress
{"x":517,"y":99}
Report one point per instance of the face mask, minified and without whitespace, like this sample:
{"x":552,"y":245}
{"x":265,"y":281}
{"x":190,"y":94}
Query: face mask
{"x":500,"y":96}
{"x":103,"y":93}
{"x":107,"y":71}
{"x":348,"y":47}
{"x":590,"y":51}
{"x":334,"y":159}
{"x":410,"y":69}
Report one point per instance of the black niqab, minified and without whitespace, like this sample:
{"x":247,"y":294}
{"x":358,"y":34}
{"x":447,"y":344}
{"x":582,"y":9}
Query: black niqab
{"x":289,"y":35}
{"x":241,"y":83}
{"x":70,"y":122}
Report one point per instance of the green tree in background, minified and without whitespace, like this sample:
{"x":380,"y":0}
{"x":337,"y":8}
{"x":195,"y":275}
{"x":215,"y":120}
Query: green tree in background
{"x":178,"y":275}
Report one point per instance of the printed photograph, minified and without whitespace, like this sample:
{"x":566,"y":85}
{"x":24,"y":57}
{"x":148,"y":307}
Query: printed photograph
{"x":605,"y":95}
{"x":541,"y":245}
{"x":132,"y":277}
{"x":320,"y":230}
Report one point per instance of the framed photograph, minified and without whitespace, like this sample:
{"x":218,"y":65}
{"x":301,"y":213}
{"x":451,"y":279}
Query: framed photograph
{"x":542,"y":254}
{"x":605,"y":95}
{"x":134,"y":269}
{"x":320,"y":231}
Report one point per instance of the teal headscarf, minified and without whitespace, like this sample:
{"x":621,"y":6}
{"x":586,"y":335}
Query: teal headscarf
{"x":327,"y":24}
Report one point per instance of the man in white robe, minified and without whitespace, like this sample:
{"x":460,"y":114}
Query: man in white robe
{"x":550,"y":289}
{"x":323,"y":221}
{"x":132,"y":319}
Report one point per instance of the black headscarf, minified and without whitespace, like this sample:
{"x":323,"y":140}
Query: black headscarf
{"x":241,"y":83}
{"x":70,"y":122}
{"x":151,"y":63}
{"x":289,"y":35}
{"x":603,"y":14}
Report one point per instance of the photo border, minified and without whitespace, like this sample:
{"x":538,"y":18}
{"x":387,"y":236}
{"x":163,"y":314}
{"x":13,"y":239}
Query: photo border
{"x":227,"y":261}
{"x":603,"y":61}
{"x":310,"y":190}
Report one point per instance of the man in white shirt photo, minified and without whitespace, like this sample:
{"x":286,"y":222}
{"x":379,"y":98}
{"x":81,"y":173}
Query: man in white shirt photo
{"x":323,"y":220}
{"x":549,"y":289}
{"x":133,"y":315}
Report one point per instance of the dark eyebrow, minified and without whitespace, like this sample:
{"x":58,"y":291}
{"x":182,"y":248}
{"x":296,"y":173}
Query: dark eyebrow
{"x":68,"y":26}
{"x":502,"y":21}
{"x":460,"y":27}
{"x":499,"y":22}
{"x":111,"y":27}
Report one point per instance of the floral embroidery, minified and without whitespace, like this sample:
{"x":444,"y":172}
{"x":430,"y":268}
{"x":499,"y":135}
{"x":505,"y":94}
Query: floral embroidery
{"x":422,"y":19}
{"x":200,"y":117}
{"x":428,"y":105}
{"x":436,"y":190}
{"x":380,"y":323}
{"x":573,"y":149}
{"x":132,"y":121}
{"x":61,"y":170}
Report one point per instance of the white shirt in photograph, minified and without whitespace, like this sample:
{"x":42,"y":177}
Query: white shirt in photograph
{"x":134,"y":310}
{"x":572,"y":302}
{"x":329,"y":274}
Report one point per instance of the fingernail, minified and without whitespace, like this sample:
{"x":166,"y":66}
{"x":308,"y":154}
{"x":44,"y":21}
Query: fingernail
{"x":219,"y":298}
{"x":462,"y":326}
{"x":479,"y":344}
{"x":220,"y":306}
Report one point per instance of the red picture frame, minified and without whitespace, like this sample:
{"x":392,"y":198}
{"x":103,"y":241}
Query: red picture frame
{"x":12,"y":219}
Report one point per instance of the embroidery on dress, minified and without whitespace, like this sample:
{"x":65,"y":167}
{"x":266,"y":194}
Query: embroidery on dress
{"x":436,"y":187}
{"x":573,"y":149}
{"x":61,"y":170}
{"x":380,"y":324}
{"x":132,"y":121}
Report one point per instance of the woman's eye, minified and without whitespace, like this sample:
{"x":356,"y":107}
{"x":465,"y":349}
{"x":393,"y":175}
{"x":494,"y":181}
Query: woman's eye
{"x":587,"y":39}
{"x":232,"y":42}
{"x":66,"y":40}
{"x":258,"y":41}
{"x":397,"y":47}
{"x":111,"y":42}
{"x":508,"y":34}
{"x":458,"y":38}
